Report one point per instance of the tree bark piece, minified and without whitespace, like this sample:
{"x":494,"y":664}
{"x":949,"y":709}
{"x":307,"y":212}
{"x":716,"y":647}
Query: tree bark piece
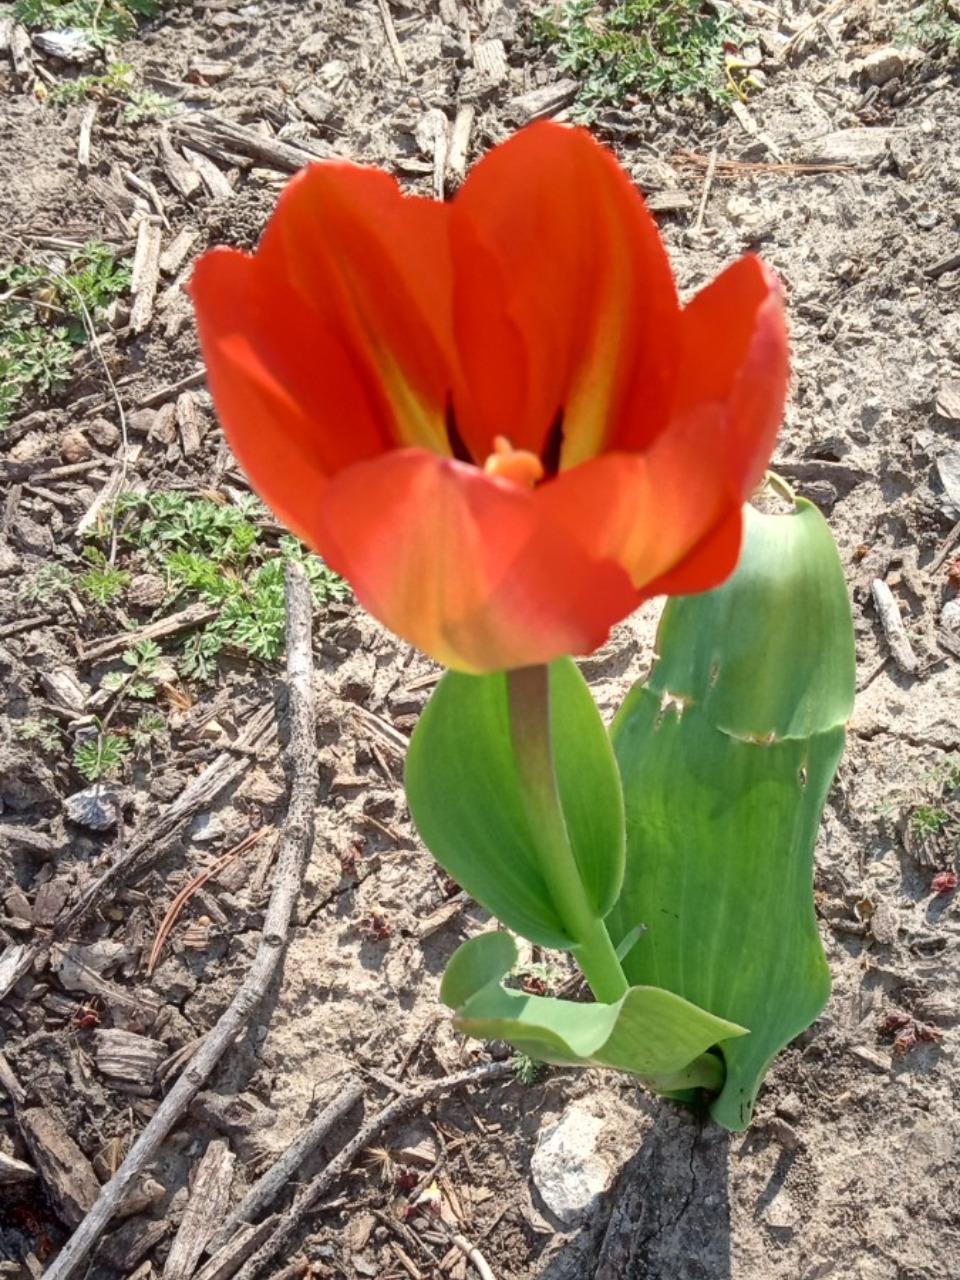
{"x":208,"y":1199}
{"x":65,"y":1170}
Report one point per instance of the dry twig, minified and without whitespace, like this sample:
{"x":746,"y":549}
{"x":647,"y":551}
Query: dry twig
{"x":297,"y":838}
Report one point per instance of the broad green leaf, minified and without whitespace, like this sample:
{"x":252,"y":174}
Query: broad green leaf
{"x":465,"y":798}
{"x":652,"y":1033}
{"x":772,"y":650}
{"x":726,"y":757}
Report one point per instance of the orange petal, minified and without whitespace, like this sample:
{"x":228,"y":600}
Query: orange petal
{"x":564,"y":296}
{"x":341,"y":319}
{"x":735,"y":353}
{"x":464,"y":566}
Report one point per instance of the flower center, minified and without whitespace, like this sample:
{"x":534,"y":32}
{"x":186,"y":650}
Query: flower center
{"x":518,"y":466}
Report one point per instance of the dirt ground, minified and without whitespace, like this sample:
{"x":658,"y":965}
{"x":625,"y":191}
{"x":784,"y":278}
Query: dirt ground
{"x":843,"y":171}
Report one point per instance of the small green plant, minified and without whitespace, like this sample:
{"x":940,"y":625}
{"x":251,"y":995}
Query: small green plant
{"x":50,"y":582}
{"x":928,"y":820}
{"x":118,"y":87}
{"x":141,"y":679}
{"x":101,"y":21}
{"x":149,"y":726}
{"x":655,"y":48}
{"x":527,"y":1070}
{"x":934,"y":24}
{"x":44,"y":732}
{"x":102,"y":583}
{"x":216,"y":552}
{"x":100,"y":755}
{"x":46,"y":308}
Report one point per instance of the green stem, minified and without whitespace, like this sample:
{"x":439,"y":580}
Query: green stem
{"x":529,"y":696}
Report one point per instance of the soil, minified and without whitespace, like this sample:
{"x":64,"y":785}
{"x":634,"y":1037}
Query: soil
{"x":845,"y":176}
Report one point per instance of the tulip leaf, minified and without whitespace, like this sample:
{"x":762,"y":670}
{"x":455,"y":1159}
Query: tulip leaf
{"x":650,"y":1032}
{"x":726,"y":756}
{"x":465,"y":796}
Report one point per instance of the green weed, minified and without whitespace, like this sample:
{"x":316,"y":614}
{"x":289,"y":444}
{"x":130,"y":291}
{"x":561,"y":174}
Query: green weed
{"x":140,"y":681}
{"x":527,"y":1070}
{"x":216,"y":553}
{"x":149,"y":726}
{"x":44,"y":732}
{"x":102,"y":583}
{"x":928,"y":820}
{"x":45,"y":310}
{"x":100,"y":756}
{"x":119,"y":87}
{"x":49,"y":583}
{"x":934,"y":24}
{"x":654,"y":48}
{"x":101,"y":21}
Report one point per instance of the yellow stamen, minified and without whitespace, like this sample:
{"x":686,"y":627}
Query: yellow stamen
{"x":519,"y":466}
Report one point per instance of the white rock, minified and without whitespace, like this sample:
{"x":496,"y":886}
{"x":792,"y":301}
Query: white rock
{"x":566,"y":1168}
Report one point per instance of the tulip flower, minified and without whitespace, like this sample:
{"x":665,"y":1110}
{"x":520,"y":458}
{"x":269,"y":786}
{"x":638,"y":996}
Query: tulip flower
{"x":493,"y":416}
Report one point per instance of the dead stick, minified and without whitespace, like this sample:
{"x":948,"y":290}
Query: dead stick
{"x":266,"y":1189}
{"x":707,"y":184}
{"x":287,"y":1226}
{"x":297,"y":839}
{"x":391,"y":33}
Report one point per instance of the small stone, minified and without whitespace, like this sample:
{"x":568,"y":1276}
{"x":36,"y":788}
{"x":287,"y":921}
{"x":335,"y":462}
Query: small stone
{"x":146,"y":591}
{"x":29,"y":448}
{"x":10,"y":562}
{"x":206,"y":827}
{"x":880,"y":66}
{"x":140,"y":421}
{"x":948,"y":400}
{"x":104,"y":433}
{"x":74,"y":447}
{"x":566,"y":1170}
{"x":950,"y":616}
{"x":93,"y":807}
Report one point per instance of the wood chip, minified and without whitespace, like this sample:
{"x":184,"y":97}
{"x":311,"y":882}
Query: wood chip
{"x":12,"y":1170}
{"x":208,"y":133}
{"x":859,"y":147}
{"x":490,"y":60}
{"x":890,"y":619}
{"x":129,"y":1058}
{"x":181,"y":174}
{"x":209,"y":1197}
{"x":174,"y":255}
{"x":145,"y":274}
{"x":195,"y":615}
{"x":65,"y":1170}
{"x":460,"y":141}
{"x":190,"y":422}
{"x":219,"y":186}
{"x":15,"y":40}
{"x":85,"y":137}
{"x":546,"y":101}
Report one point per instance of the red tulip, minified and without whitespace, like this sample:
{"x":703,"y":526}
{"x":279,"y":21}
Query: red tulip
{"x":493,"y":416}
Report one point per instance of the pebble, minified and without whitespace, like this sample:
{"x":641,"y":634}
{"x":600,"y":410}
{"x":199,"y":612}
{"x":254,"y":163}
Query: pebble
{"x":93,"y":807}
{"x":880,"y":66}
{"x":566,"y":1169}
{"x":74,"y":447}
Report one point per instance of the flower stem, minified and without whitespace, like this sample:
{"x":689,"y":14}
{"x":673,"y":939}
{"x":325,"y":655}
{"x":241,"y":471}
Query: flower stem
{"x":530,"y":727}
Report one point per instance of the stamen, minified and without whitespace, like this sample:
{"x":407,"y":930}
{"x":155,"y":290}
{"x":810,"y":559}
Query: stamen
{"x":518,"y":466}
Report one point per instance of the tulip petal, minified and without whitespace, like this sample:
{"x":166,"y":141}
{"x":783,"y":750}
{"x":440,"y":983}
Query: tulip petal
{"x":345,"y":310}
{"x":735,"y":352}
{"x":564,"y":298}
{"x":468,"y":568}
